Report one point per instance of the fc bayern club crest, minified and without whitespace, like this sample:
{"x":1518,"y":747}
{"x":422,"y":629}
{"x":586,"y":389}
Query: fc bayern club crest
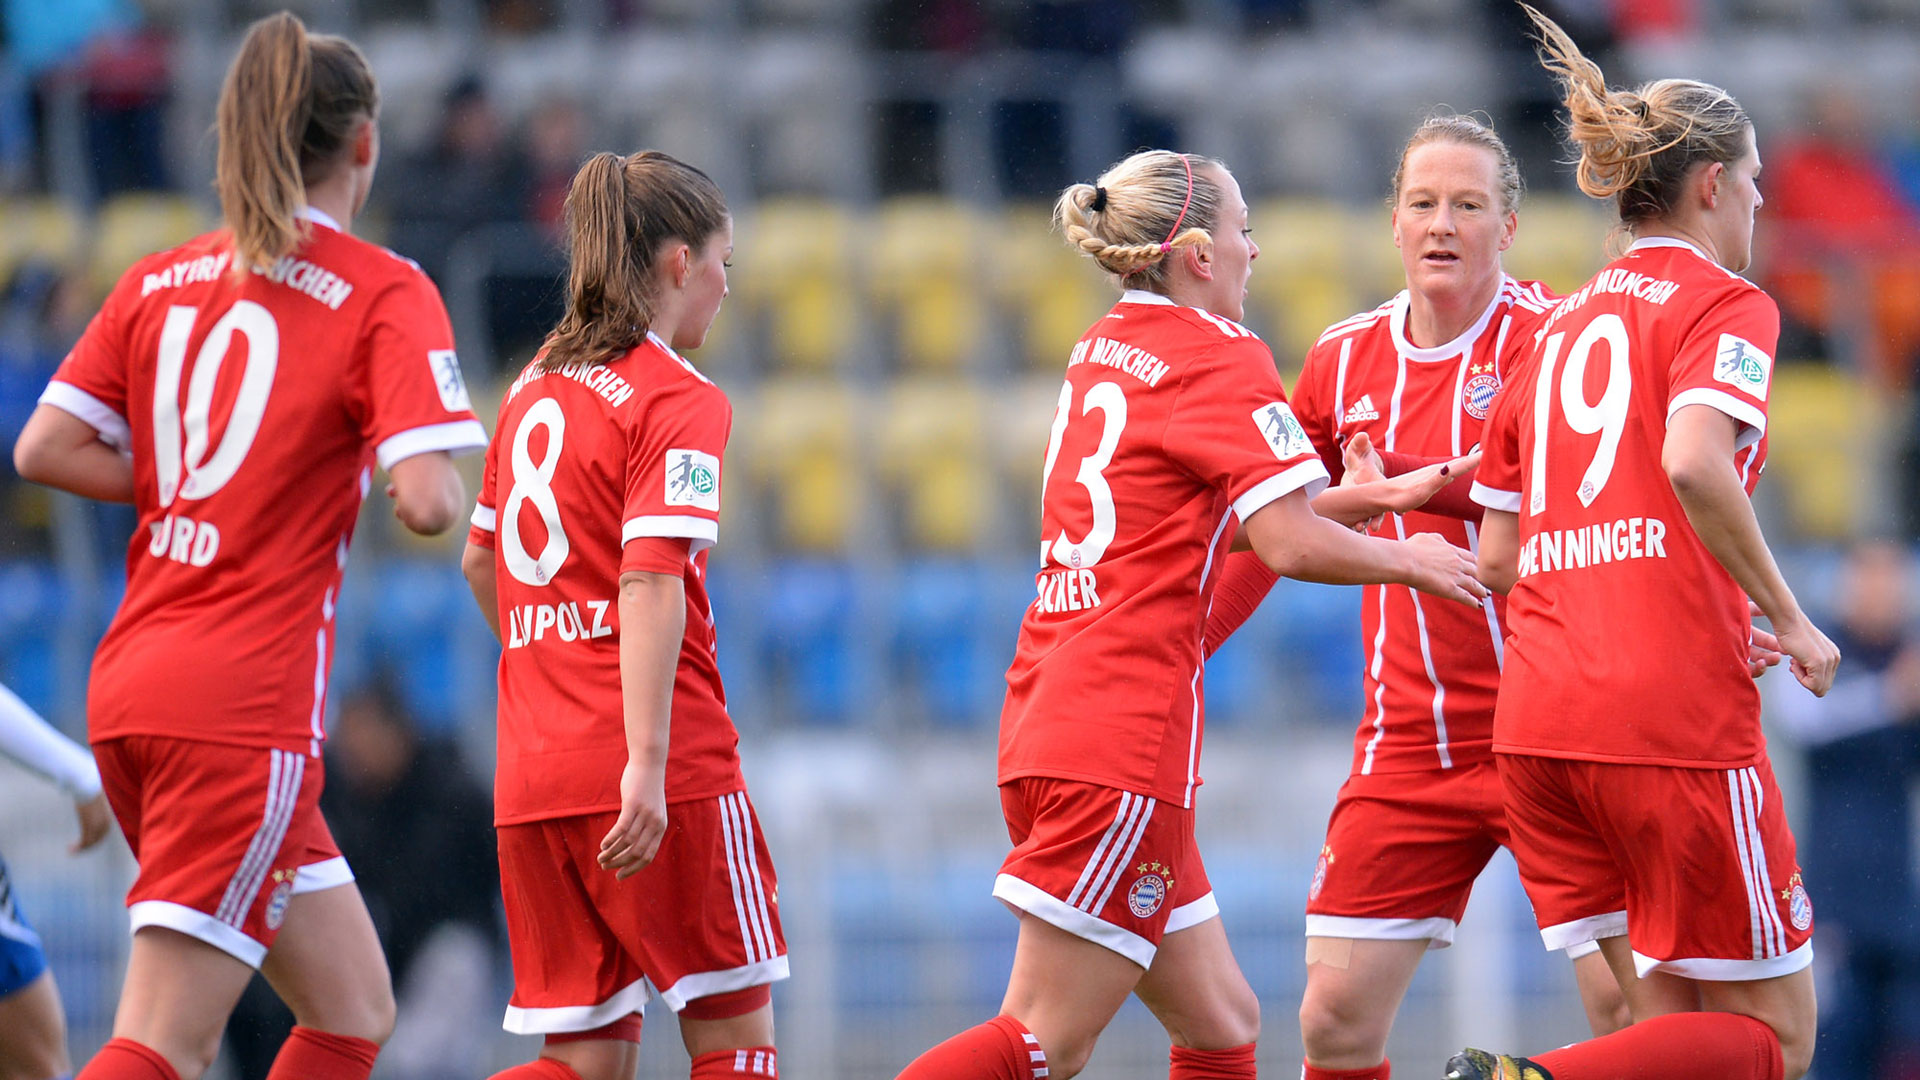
{"x":1477,"y":395}
{"x":1149,"y":890}
{"x":277,"y":900}
{"x":1320,"y":873}
{"x":1799,"y":904}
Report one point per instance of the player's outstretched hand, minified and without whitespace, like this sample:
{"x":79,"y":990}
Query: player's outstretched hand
{"x":1815,"y":657}
{"x":95,"y":819}
{"x":1763,"y":649}
{"x":635,"y":837}
{"x":1363,"y":465}
{"x":1444,"y":570}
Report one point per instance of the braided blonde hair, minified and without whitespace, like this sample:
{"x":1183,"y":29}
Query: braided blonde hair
{"x":1637,"y":146}
{"x":1125,"y":220}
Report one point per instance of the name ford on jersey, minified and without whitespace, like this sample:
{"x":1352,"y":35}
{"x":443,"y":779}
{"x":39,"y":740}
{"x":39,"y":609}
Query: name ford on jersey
{"x":530,"y":623}
{"x":184,"y":540}
{"x":1593,"y":545}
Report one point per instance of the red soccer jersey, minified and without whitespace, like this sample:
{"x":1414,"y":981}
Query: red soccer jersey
{"x":1628,"y":640}
{"x":254,"y":406}
{"x":1172,"y":425}
{"x":1432,"y":667}
{"x":586,"y":459}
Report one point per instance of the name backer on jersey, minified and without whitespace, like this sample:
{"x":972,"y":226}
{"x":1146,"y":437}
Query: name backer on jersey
{"x":1593,"y":545}
{"x":1282,"y":430}
{"x":1066,"y":590}
{"x":693,"y":479}
{"x":1131,"y":359}
{"x":1742,"y":366}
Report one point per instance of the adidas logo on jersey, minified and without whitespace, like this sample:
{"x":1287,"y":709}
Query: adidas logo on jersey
{"x":1362,"y":411}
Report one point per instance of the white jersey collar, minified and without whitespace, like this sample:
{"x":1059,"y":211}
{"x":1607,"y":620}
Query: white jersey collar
{"x":1397,"y":323}
{"x":1142,"y":296}
{"x":1666,"y":242}
{"x":318,"y":216}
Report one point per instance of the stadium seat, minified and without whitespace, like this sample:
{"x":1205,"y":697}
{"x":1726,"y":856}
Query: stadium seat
{"x":1301,"y":284}
{"x":924,"y":277}
{"x":1561,"y":241}
{"x":813,"y":645}
{"x":795,"y":277}
{"x":130,"y":227}
{"x":38,"y":229}
{"x":953,"y":637}
{"x":33,"y":605}
{"x":932,"y":460}
{"x":1022,"y":422}
{"x":1051,"y":293}
{"x":798,"y":441}
{"x":417,"y":617}
{"x":1818,"y":422}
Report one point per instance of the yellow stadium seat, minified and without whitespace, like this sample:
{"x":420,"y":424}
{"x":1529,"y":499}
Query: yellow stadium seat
{"x":131,"y":227}
{"x":46,"y":230}
{"x":795,"y":276}
{"x":927,"y":262}
{"x":1301,"y":282}
{"x":1818,"y":422}
{"x":1561,"y":241}
{"x":932,"y":458}
{"x":797,"y":444}
{"x":1052,"y":292}
{"x":1021,"y":423}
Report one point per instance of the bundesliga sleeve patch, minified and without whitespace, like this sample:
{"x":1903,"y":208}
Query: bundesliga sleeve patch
{"x":693,"y":479}
{"x":445,"y":365}
{"x":1282,"y":432}
{"x":1742,"y":366}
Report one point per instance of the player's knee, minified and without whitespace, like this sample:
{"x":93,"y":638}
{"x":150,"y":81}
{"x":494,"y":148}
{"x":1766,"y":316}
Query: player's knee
{"x":368,"y":1015}
{"x":1796,"y":1052}
{"x":1068,"y":1056}
{"x":1334,"y":1028}
{"x":1241,"y":1018}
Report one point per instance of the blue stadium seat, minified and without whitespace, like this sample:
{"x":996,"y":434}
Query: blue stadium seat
{"x":418,"y":625}
{"x":952,"y":642}
{"x":32,"y":599}
{"x":809,"y":641}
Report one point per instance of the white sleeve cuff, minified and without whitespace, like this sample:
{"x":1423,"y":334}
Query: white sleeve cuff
{"x":1753,"y":422}
{"x":455,"y":437}
{"x":699,"y":533}
{"x":1310,"y":475}
{"x":1495,"y":498}
{"x":485,"y":518}
{"x":71,"y":399}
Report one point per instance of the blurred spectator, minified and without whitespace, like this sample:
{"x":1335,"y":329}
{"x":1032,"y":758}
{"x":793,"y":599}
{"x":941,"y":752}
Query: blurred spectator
{"x":1840,"y":243}
{"x":42,"y":311}
{"x":128,"y":79}
{"x":556,"y":145}
{"x":1862,"y":745}
{"x":417,"y":829}
{"x":470,"y":175}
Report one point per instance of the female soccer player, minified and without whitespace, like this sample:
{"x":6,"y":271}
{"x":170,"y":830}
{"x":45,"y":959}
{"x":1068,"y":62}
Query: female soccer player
{"x":629,"y":851}
{"x":33,"y":1027}
{"x":1420,"y":815}
{"x":1172,"y":426}
{"x":1619,"y":463}
{"x":238,"y":390}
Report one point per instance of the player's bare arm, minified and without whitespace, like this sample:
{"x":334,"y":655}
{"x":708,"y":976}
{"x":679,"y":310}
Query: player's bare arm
{"x":1698,"y":459}
{"x":476,"y":564}
{"x":60,"y":450}
{"x":427,"y":493}
{"x":1499,"y":561}
{"x":653,"y":620}
{"x":1296,"y":542}
{"x":1370,"y":494}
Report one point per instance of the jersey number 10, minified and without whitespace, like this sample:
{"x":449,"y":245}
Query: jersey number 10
{"x":1607,"y":418}
{"x":182,"y":463}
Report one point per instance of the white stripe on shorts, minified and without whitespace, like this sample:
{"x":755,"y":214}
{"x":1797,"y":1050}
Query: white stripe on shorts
{"x":1120,"y":821}
{"x":1763,"y":880}
{"x":1120,"y":864}
{"x":743,"y":872}
{"x":756,"y":884}
{"x":732,"y":844}
{"x":284,"y":774}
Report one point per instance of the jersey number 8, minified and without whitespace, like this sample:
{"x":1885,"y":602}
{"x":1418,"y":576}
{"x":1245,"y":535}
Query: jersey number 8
{"x":533,"y":483}
{"x":1607,"y":418}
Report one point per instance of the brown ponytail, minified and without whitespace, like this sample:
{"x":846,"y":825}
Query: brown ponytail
{"x":290,"y":104}
{"x":620,"y":212}
{"x":1637,"y":146}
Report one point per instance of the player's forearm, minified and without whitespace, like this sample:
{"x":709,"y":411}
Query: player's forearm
{"x":476,"y":564}
{"x":653,"y":620}
{"x":1352,"y":504}
{"x":428,"y":494}
{"x":1498,"y":560}
{"x":1717,"y":507}
{"x":1295,"y":541}
{"x":62,"y":451}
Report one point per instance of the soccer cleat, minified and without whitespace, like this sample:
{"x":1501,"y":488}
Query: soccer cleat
{"x":1473,"y":1064}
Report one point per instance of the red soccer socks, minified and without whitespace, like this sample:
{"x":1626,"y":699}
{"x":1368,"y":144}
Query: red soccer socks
{"x":309,"y":1054}
{"x":1000,"y":1049}
{"x":1379,"y":1072}
{"x":538,"y":1069}
{"x":1680,"y":1046}
{"x":124,"y":1059}
{"x":1235,"y":1063}
{"x":727,"y":1064}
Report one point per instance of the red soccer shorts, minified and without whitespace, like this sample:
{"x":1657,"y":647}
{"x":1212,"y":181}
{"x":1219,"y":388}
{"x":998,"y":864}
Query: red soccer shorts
{"x":702,"y":918}
{"x":1695,"y":866}
{"x":225,"y":836}
{"x":1402,"y":852}
{"x":1116,"y":868}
